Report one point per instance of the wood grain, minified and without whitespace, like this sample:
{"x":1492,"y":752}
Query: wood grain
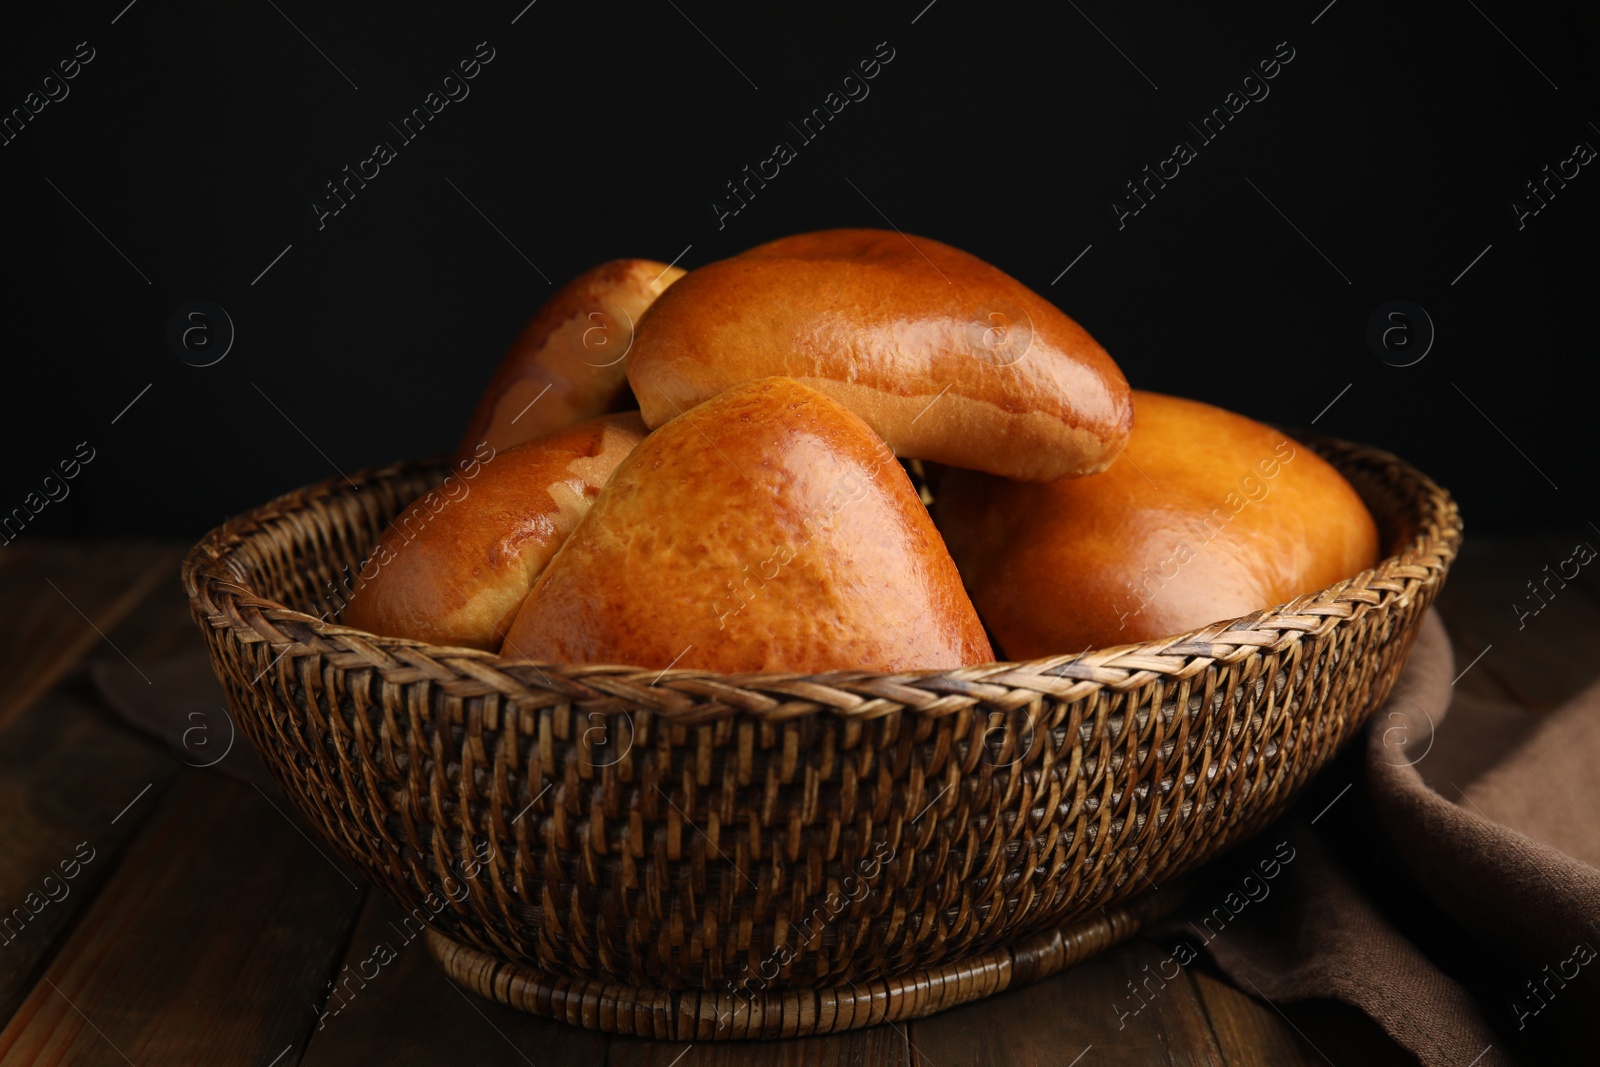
{"x":408,"y":1014}
{"x":158,"y":626}
{"x":1253,"y":1033}
{"x":1540,"y":659}
{"x":881,"y":1046}
{"x":67,"y":771}
{"x":1089,"y":1010}
{"x":208,"y":945}
{"x":60,"y":601}
{"x":69,"y":776}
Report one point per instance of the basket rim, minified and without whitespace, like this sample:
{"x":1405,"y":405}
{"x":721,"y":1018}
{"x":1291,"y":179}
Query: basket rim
{"x":209,"y":576}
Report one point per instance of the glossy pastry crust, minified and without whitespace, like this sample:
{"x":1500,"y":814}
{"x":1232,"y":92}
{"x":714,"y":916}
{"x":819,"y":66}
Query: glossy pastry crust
{"x":454,"y":568}
{"x":768,"y":529}
{"x":1208,"y":515}
{"x":569,"y":363}
{"x":948,"y":358}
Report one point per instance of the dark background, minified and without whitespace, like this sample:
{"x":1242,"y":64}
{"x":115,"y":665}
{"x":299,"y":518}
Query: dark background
{"x":198,"y":136}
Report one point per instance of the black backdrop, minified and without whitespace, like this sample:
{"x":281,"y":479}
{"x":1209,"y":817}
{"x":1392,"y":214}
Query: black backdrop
{"x":185,"y":156}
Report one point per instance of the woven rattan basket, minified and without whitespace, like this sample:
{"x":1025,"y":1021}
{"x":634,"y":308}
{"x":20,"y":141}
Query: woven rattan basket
{"x":698,"y":856}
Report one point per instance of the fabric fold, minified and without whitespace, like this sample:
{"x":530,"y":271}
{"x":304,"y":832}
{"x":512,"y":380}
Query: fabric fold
{"x":1454,"y":913}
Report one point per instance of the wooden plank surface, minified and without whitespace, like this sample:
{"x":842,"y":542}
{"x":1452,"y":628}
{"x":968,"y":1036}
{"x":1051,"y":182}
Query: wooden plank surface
{"x":391,"y":1004}
{"x":208,"y":945}
{"x":1314,"y":1033}
{"x":1541,"y":658}
{"x":881,"y":1046}
{"x":68,"y":775}
{"x":1089,"y":1011}
{"x":1249,"y":1031}
{"x":60,"y":600}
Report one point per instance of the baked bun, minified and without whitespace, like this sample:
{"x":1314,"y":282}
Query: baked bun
{"x":768,"y":529}
{"x":1207,"y":516}
{"x":947,"y":358}
{"x":456,"y":565}
{"x":567,"y":365}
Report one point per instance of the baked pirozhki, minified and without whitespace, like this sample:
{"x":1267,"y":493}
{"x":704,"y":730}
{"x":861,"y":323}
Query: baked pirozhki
{"x":766,"y":523}
{"x":456,"y":565}
{"x":1207,"y":515}
{"x":948,"y":358}
{"x":570,"y":361}
{"x":768,"y":529}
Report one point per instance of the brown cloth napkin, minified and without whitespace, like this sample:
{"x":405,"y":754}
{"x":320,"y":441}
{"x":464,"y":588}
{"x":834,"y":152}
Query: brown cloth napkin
{"x":1452,"y":892}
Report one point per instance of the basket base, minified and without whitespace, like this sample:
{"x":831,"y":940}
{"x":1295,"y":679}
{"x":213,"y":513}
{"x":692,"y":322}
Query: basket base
{"x":698,"y":1015}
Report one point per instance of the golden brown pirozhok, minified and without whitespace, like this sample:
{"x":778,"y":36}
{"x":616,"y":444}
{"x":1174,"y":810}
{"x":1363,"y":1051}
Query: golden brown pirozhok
{"x":1208,"y":516}
{"x":948,"y":358}
{"x":455,"y":566}
{"x":568,"y":364}
{"x":768,"y":529}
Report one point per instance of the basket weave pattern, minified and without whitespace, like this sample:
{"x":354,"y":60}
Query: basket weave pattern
{"x":683,"y":830}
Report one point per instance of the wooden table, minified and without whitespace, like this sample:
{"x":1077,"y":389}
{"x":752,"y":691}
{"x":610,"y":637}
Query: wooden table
{"x":202,"y":923}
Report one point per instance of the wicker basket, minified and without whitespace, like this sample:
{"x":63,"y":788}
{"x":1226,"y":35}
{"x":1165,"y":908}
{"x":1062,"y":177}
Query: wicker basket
{"x":697,"y":856}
